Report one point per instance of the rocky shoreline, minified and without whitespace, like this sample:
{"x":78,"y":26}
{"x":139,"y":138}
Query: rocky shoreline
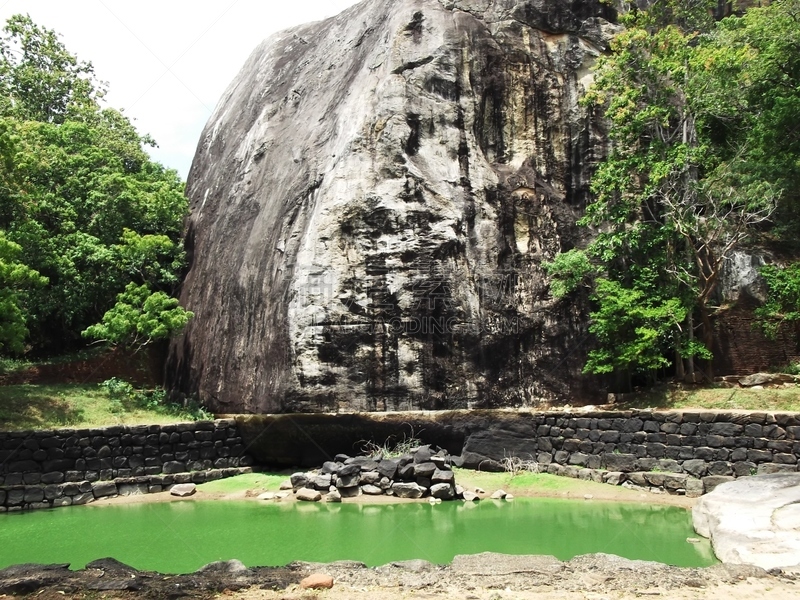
{"x":473,"y":575}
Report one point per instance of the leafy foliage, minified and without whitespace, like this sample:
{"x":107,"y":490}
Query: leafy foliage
{"x":124,"y":396}
{"x":14,"y":276}
{"x":90,"y":212}
{"x":568,"y":270}
{"x":783,"y":298}
{"x":140,"y":317}
{"x":703,"y":153}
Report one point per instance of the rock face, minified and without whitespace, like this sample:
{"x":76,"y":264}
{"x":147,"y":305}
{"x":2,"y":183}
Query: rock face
{"x":754,"y":520}
{"x":372,"y":202}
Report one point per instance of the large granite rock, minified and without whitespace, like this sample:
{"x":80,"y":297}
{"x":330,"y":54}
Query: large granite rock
{"x":371,"y":204}
{"x":753,"y":520}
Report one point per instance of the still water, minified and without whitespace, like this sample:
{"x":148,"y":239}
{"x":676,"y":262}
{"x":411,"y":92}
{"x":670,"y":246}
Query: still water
{"x":180,"y":537}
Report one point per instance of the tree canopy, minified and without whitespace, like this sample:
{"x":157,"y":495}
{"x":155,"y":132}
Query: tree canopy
{"x":82,"y":207}
{"x":704,"y":154}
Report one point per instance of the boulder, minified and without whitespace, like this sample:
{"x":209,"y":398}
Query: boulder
{"x":371,"y":490}
{"x":308,"y":495}
{"x":184,"y":489}
{"x":387,"y":468}
{"x":442,"y":491}
{"x":498,"y":495}
{"x":393,"y":162}
{"x":407,"y":490}
{"x":753,"y":520}
{"x":349,"y":492}
{"x":470,"y":496}
{"x":440,"y":476}
{"x":317,"y":581}
{"x":424,"y":470}
{"x":299,"y":480}
{"x":331,"y":467}
{"x":333,"y":496}
{"x":321,"y":482}
{"x":370,"y":478}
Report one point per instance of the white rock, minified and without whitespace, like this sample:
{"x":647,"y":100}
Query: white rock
{"x":480,"y":490}
{"x":753,"y":520}
{"x":286,"y":485}
{"x":267,"y":496}
{"x":333,"y":496}
{"x":183,"y":489}
{"x":470,"y":497}
{"x":509,"y":497}
{"x":498,"y":495}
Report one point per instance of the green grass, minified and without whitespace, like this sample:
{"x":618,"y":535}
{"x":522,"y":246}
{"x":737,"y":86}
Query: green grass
{"x":73,"y":405}
{"x":717,"y":398}
{"x":493,"y":481}
{"x":262,"y":482}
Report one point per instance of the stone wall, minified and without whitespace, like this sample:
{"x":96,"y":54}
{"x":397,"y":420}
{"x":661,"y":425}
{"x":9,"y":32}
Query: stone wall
{"x":42,"y":469}
{"x":695,"y":443}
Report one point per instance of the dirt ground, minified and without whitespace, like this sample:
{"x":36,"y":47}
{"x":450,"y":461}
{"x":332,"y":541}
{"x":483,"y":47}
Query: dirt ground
{"x":502,"y":577}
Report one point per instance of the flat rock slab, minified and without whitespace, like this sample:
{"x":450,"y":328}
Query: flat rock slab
{"x":493,"y":563}
{"x":753,"y":520}
{"x":183,"y":489}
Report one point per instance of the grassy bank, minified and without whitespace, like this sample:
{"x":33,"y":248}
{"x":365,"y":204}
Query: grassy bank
{"x":775,"y":399}
{"x":81,"y":406}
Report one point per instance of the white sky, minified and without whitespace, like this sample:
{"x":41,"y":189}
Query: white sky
{"x":167,"y":62}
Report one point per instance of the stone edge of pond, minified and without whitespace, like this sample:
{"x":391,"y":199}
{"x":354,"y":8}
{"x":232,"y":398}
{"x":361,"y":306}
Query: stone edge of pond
{"x":490,"y":568}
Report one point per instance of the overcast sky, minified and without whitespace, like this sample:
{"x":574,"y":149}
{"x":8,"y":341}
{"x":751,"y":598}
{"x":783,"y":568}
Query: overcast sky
{"x":167,"y":62}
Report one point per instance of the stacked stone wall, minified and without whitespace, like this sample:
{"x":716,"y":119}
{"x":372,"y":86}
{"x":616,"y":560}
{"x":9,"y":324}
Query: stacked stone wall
{"x":43,"y":469}
{"x":639,"y":446}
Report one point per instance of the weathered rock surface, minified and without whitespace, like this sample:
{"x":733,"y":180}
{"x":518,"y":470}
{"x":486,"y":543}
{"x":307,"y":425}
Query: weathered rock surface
{"x":753,"y":520}
{"x":371,"y":204}
{"x":185,"y":489}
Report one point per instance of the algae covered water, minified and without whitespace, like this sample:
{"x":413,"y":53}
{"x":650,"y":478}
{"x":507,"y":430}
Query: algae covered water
{"x":180,"y":537}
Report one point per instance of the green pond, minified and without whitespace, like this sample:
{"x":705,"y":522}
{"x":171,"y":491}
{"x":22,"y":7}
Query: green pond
{"x":180,"y":537}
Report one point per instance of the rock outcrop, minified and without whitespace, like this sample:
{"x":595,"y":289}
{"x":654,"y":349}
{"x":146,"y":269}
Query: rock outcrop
{"x":372,"y":202}
{"x":755,"y":520}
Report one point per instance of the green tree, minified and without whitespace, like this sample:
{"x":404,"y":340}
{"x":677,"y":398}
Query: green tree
{"x":783,"y":297}
{"x":685,"y":182}
{"x":79,"y":195}
{"x":39,"y":79}
{"x":140,"y":317}
{"x":14,"y":277}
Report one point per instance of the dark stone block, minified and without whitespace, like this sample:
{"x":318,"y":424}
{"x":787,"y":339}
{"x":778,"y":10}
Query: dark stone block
{"x":759,"y":456}
{"x":656,"y":450}
{"x":33,"y":494}
{"x":785,"y":459}
{"x":26,"y":466}
{"x":670,"y":428}
{"x":704,"y":453}
{"x":780,"y":445}
{"x":31,"y":478}
{"x":725,"y":429}
{"x":743,"y":469}
{"x":52,"y":477}
{"x":632,"y":425}
{"x":624,"y":463}
{"x":172,"y":467}
{"x":695,"y":467}
{"x":719,"y":467}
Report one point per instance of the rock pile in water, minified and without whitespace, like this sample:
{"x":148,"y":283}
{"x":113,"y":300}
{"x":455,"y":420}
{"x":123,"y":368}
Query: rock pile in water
{"x":425,"y":471}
